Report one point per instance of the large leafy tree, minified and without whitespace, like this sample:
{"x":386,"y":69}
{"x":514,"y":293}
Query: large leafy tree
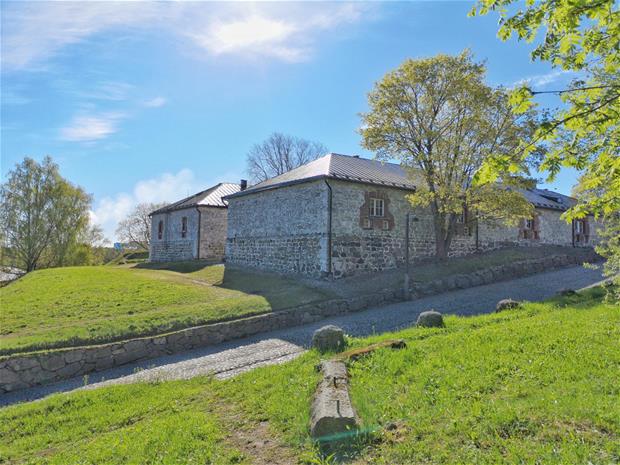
{"x":280,"y":153}
{"x":582,"y":36}
{"x":439,"y":118}
{"x":42,"y":214}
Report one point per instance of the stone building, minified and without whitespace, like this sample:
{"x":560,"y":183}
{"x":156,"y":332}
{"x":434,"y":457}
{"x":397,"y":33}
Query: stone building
{"x":192,"y":228}
{"x":340,"y":215}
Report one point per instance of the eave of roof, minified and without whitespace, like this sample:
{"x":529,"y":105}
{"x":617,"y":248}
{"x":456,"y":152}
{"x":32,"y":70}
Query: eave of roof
{"x":201,"y":199}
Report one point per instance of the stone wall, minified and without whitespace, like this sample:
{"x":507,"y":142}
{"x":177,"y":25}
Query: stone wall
{"x":282,"y":230}
{"x":27,"y":370}
{"x":172,"y":246}
{"x":359,"y":249}
{"x":213,"y":232}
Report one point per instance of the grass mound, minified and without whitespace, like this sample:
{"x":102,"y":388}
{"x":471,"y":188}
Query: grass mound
{"x":61,"y":307}
{"x":531,"y":385}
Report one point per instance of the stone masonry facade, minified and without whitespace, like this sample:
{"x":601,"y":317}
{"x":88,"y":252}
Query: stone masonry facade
{"x":287,"y":230}
{"x":284,"y":230}
{"x":173,"y":244}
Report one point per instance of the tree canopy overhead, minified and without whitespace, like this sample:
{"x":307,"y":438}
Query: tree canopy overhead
{"x":584,"y":133}
{"x":439,"y":118}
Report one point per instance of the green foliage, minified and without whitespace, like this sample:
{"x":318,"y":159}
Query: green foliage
{"x":584,"y":133}
{"x":533,"y":385}
{"x":83,"y":305}
{"x":439,"y":118}
{"x":44,"y":217}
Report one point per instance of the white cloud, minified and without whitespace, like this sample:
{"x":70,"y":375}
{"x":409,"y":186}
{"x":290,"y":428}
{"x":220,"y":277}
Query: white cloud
{"x":34,"y":32}
{"x":253,"y":34}
{"x":167,"y":187}
{"x":85,"y":128}
{"x":542,"y":80}
{"x":155,"y":102}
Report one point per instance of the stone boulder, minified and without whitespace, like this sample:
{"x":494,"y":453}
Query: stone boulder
{"x":328,"y":338}
{"x":506,"y":304}
{"x":430,"y":319}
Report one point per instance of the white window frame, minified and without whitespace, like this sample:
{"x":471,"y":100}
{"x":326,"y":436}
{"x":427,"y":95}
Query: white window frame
{"x":386,"y":225}
{"x":377,"y":207}
{"x":184,"y":227}
{"x":579,"y":227}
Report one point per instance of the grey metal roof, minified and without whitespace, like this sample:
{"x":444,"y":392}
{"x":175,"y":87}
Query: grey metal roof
{"x":211,"y":197}
{"x":544,"y":198}
{"x":338,"y":166}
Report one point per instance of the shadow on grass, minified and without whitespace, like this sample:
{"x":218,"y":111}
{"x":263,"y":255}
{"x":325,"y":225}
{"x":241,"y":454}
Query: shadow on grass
{"x":278,"y":290}
{"x":190,"y":266}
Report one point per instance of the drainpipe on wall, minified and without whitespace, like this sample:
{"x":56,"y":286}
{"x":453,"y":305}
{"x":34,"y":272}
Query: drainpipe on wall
{"x":198,"y":237}
{"x":329,"y":228}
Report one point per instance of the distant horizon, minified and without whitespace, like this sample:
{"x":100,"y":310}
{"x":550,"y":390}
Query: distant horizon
{"x":154,"y":101}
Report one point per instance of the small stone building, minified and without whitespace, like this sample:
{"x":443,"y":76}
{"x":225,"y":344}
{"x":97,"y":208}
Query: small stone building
{"x":340,"y":215}
{"x":192,"y":228}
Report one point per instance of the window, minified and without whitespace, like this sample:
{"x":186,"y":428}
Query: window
{"x":184,"y":227}
{"x":386,"y":225}
{"x":376,"y":207}
{"x":529,"y":224}
{"x":579,"y":227}
{"x":160,"y":230}
{"x":367,"y":223}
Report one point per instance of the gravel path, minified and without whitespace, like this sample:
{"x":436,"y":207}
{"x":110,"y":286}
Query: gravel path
{"x":234,"y":357}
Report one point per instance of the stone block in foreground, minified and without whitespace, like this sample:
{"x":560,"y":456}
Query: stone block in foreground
{"x":430,"y":319}
{"x":328,"y":338}
{"x":506,"y":304}
{"x":332,"y":417}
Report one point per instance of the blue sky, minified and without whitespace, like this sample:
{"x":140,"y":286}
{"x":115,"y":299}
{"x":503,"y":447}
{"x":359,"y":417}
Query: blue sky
{"x":141,"y":102}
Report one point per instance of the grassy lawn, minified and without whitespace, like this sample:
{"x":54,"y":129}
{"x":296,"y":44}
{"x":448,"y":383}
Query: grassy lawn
{"x":81,"y":305}
{"x":533,"y":385}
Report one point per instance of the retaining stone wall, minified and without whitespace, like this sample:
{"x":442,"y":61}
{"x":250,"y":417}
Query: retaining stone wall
{"x":27,"y":370}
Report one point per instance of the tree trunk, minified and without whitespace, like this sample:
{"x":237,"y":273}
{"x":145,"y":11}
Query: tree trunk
{"x":443,"y":233}
{"x":441,"y":247}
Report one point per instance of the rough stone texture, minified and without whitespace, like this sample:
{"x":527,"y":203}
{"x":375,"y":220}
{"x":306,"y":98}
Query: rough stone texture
{"x":430,"y":319}
{"x":26,"y":370}
{"x":213,"y":232}
{"x":332,"y":416}
{"x":286,"y":230}
{"x":506,"y":304}
{"x":328,"y":338}
{"x":173,"y":247}
{"x":283,"y":230}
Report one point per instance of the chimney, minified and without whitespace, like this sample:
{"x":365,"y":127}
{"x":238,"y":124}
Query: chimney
{"x":243,"y":184}
{"x":356,"y":156}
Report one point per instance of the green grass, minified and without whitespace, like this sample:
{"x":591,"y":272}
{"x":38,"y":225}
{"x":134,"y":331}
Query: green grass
{"x":82,"y":305}
{"x":168,"y":423}
{"x":533,"y":385}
